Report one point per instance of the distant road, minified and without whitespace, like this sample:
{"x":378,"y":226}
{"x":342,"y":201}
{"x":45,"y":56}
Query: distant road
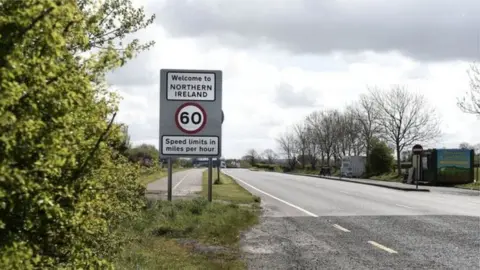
{"x":184,"y":183}
{"x":311,"y":223}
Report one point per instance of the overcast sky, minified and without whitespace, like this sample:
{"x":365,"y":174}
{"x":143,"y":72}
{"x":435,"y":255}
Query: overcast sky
{"x":283,"y":59}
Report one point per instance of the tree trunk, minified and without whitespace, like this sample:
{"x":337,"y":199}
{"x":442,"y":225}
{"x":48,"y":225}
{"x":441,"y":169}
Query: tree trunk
{"x":399,"y":165}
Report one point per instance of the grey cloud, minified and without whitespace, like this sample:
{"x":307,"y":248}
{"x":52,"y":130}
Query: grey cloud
{"x":286,"y":97}
{"x":427,"y":30}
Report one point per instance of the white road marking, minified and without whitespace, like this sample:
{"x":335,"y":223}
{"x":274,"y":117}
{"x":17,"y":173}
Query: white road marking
{"x":178,"y":184}
{"x":344,"y":192}
{"x":276,"y":198}
{"x":401,"y":205}
{"x":389,"y":250}
{"x":340,"y":228}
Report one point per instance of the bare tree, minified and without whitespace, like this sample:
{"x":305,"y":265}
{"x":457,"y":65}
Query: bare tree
{"x":406,"y":117}
{"x":301,"y":139}
{"x":252,"y":157}
{"x":314,"y":122}
{"x":367,"y":116}
{"x":353,"y":127}
{"x":287,"y":145}
{"x":270,"y":156}
{"x":465,"y":145}
{"x":470,"y":103}
{"x":328,"y":131}
{"x":313,"y":140}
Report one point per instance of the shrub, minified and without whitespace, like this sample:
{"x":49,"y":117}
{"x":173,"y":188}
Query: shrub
{"x":63,"y":189}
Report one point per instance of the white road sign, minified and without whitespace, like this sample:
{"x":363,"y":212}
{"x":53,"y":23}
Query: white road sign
{"x":190,"y":118}
{"x":190,"y":145}
{"x":190,"y":86}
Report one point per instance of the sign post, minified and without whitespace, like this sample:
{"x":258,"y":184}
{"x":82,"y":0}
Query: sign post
{"x":191,"y":116}
{"x":417,"y":150}
{"x":169,"y":179}
{"x":210,"y":182}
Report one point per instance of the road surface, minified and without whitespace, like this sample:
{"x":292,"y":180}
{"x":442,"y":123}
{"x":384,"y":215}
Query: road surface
{"x":184,"y":184}
{"x":310,"y":223}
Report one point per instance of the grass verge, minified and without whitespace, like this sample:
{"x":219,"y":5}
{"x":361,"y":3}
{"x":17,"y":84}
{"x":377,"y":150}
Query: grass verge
{"x":474,"y":186}
{"x":186,"y":234}
{"x":191,"y":234}
{"x":388,"y":177}
{"x":226,"y":189}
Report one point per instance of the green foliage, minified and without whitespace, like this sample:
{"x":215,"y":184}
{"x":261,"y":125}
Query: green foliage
{"x":380,"y":158}
{"x":267,"y":167}
{"x":64,"y":188}
{"x":144,"y":152}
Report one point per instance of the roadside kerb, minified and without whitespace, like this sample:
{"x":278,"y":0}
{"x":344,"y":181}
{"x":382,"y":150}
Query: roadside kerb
{"x":363,"y":182}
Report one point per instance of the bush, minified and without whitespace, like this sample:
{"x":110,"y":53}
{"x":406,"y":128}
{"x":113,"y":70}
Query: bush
{"x":63,"y":188}
{"x":380,"y":159}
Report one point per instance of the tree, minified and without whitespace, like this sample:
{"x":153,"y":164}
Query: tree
{"x":466,"y":146}
{"x":287,"y":145}
{"x":323,"y":125}
{"x":270,"y":156}
{"x":367,"y":115}
{"x":406,"y":118}
{"x":301,"y":139}
{"x":470,"y":102}
{"x":63,"y":191}
{"x":313,"y":148}
{"x":380,"y":158}
{"x":123,"y":145}
{"x":144,"y":152}
{"x":252,"y":157}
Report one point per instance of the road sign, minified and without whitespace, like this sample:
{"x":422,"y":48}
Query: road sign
{"x":417,"y":149}
{"x":190,"y":113}
{"x":190,"y":118}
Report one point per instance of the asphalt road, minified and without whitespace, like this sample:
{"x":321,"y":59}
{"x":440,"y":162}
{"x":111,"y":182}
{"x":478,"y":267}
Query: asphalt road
{"x":184,"y":184}
{"x":310,"y":223}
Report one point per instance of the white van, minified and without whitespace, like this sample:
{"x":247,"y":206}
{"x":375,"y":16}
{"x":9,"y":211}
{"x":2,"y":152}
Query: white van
{"x":353,"y":166}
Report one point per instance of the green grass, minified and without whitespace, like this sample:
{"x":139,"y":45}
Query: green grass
{"x":475,"y":186}
{"x":179,"y":234}
{"x":227,"y":189}
{"x":148,"y":178}
{"x":191,"y":234}
{"x":389,"y":177}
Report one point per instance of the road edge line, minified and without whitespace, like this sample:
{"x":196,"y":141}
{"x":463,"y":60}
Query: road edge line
{"x":174,"y":187}
{"x":272,"y":196}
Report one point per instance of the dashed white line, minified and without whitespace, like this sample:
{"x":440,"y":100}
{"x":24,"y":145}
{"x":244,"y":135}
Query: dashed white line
{"x":274,"y":197}
{"x":340,"y":228}
{"x":389,"y":250}
{"x":180,"y":181}
{"x":405,"y":206}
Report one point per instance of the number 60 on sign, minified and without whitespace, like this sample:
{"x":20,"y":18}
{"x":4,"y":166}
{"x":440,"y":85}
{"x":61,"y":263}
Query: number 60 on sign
{"x":190,"y":118}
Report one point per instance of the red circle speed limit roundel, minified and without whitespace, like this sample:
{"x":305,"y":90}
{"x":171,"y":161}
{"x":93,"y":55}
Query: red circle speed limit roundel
{"x":190,"y":118}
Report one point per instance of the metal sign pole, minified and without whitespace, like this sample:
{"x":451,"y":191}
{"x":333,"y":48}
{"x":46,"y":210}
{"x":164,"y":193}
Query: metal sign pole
{"x":218,"y":171}
{"x":169,"y":188}
{"x":419,"y":170}
{"x":210,"y":179}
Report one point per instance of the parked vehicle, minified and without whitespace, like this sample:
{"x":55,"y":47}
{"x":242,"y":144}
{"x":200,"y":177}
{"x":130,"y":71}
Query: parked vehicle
{"x":353,"y":166}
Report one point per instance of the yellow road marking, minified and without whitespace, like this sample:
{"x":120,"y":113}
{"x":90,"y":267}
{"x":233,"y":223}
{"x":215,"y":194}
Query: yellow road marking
{"x":389,"y":250}
{"x":340,"y":228}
